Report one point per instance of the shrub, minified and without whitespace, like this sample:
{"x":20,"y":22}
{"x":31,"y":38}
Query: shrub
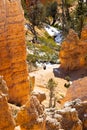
{"x":67,"y":78}
{"x":67,"y":85}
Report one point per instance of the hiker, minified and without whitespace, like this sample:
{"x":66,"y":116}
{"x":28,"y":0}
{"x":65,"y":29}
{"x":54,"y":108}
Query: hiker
{"x":44,"y":66}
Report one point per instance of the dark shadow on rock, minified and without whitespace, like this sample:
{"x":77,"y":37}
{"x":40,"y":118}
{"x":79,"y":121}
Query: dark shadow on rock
{"x":74,"y":75}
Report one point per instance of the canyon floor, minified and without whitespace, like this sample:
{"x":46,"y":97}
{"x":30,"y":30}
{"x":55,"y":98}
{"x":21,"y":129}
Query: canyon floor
{"x":53,"y":71}
{"x":41,"y":78}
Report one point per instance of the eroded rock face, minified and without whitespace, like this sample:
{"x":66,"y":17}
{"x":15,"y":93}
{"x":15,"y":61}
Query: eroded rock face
{"x":31,"y":116}
{"x":81,"y":108}
{"x":73,"y":54}
{"x":3,"y":86}
{"x":78,"y":89}
{"x":6,"y":120}
{"x":13,"y":50}
{"x":73,"y":116}
{"x":41,"y":96}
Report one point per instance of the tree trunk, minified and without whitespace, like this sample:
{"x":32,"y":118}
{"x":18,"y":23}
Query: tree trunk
{"x":54,"y":102}
{"x":50,"y":100}
{"x":54,"y":20}
{"x":35,"y":35}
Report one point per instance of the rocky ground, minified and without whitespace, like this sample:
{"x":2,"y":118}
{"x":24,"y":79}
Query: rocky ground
{"x":41,"y":78}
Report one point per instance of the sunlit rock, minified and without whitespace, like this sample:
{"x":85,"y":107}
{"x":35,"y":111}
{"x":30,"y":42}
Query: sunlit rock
{"x":73,"y":53}
{"x":13,"y":50}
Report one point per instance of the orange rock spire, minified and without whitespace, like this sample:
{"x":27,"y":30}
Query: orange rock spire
{"x":13,"y":50}
{"x":73,"y":54}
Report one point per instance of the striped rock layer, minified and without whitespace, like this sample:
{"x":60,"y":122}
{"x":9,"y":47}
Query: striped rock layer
{"x":13,"y":65}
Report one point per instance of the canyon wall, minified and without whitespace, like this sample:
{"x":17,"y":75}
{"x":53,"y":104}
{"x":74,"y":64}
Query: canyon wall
{"x":78,"y":89}
{"x":13,"y":65}
{"x":73,"y":53}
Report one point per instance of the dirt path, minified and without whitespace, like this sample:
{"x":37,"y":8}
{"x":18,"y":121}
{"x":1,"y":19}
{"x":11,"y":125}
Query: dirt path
{"x":41,"y":78}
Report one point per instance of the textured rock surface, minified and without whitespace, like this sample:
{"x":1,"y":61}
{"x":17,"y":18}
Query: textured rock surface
{"x":81,"y":108}
{"x":6,"y":119}
{"x":73,"y":54}
{"x":3,"y":86}
{"x":31,"y":116}
{"x":32,"y":83}
{"x":41,"y":96}
{"x":13,"y":50}
{"x":72,"y":117}
{"x":78,"y":89}
{"x":70,"y":120}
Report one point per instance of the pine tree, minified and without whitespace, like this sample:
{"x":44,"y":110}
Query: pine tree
{"x":51,"y":86}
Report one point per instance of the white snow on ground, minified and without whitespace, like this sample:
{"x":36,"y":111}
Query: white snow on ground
{"x":54,"y":33}
{"x":51,"y":30}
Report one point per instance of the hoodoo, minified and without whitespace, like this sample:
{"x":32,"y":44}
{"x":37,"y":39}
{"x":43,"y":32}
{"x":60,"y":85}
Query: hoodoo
{"x":73,"y":54}
{"x":13,"y":65}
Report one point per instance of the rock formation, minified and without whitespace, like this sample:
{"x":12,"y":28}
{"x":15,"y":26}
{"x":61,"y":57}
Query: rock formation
{"x":81,"y":108}
{"x":13,"y":50}
{"x":3,"y":86}
{"x":78,"y":89}
{"x":73,"y":54}
{"x":40,"y":95}
{"x":72,"y":117}
{"x":6,"y":120}
{"x":31,"y":116}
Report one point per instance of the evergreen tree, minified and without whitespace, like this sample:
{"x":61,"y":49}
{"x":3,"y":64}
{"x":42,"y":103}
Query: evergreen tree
{"x":36,"y":15}
{"x":80,"y":16}
{"x":52,"y":11}
{"x":51,"y":86}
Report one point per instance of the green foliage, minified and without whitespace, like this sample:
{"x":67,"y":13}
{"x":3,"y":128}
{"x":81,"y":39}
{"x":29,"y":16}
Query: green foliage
{"x":51,"y":84}
{"x":23,"y":2}
{"x":79,"y":16}
{"x":42,"y":53}
{"x":46,"y":51}
{"x":67,"y":85}
{"x":70,"y":2}
{"x":32,"y":58}
{"x":67,"y":78}
{"x":52,"y":10}
{"x":49,"y":41}
{"x":36,"y":14}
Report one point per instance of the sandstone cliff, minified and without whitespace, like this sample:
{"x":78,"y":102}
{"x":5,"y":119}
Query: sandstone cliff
{"x":73,"y":54}
{"x":13,"y":50}
{"x":78,"y":89}
{"x":31,"y":116}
